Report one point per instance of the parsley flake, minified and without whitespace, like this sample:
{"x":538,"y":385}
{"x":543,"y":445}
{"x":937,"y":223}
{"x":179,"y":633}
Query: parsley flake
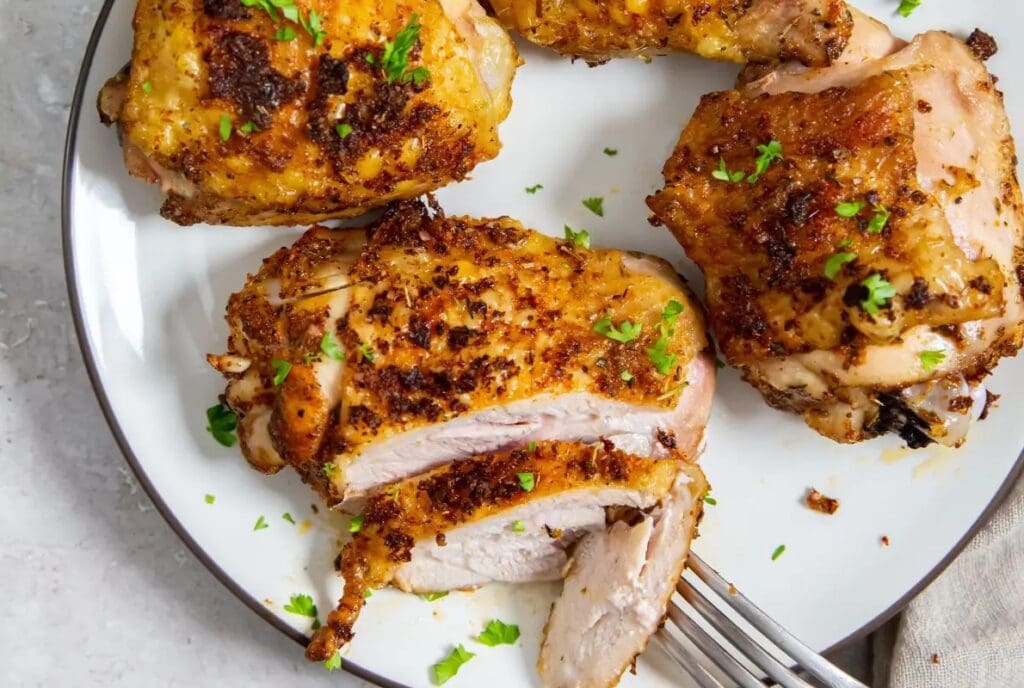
{"x":147,"y":87}
{"x":210,"y":499}
{"x":907,"y":7}
{"x":534,"y":189}
{"x":288,"y":517}
{"x":301,"y":605}
{"x":626,"y":376}
{"x":449,"y":666}
{"x":580,"y":238}
{"x":659,"y":355}
{"x":434,"y":596}
{"x":595,"y":204}
{"x":285,"y":33}
{"x":778,"y":552}
{"x":518,"y":526}
{"x":931,"y":359}
{"x":836,"y":262}
{"x":708,"y":499}
{"x":329,"y":345}
{"x":769,"y":153}
{"x":498,"y":633}
{"x":880,"y":291}
{"x":532,"y":446}
{"x":879,"y":220}
{"x":281,"y":370}
{"x":221,"y":423}
{"x":849,"y":209}
{"x":366,"y":351}
{"x":611,"y":152}
{"x":313,"y":26}
{"x":356,"y":524}
{"x":626,"y":332}
{"x":248,"y":128}
{"x":261,"y":523}
{"x":671,"y":311}
{"x":527,"y":481}
{"x":329,"y":469}
{"x":395,"y":58}
{"x":333,"y":663}
{"x":343,"y":130}
{"x":225,"y":127}
{"x":723,"y":173}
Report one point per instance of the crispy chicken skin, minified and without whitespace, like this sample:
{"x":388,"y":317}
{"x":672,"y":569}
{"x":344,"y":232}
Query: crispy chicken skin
{"x":317,"y":131}
{"x":460,"y":336}
{"x":814,"y":32}
{"x":401,"y":519}
{"x":917,"y":135}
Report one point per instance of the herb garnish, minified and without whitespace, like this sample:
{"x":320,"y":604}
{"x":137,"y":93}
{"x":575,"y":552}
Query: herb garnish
{"x":708,"y":499}
{"x":285,"y":33}
{"x":147,"y":87}
{"x":449,"y":666}
{"x":595,"y":204}
{"x":395,"y":59}
{"x":879,"y":220}
{"x":534,"y":189}
{"x":849,"y":209}
{"x":221,"y":423}
{"x":333,"y":663}
{"x":778,"y":552}
{"x":907,"y":7}
{"x":627,"y":332}
{"x":281,"y":370}
{"x":356,"y":524}
{"x":626,"y":376}
{"x":224,"y":128}
{"x":210,"y":499}
{"x":527,"y":481}
{"x":498,"y":633}
{"x":836,"y":262}
{"x":723,"y":173}
{"x":769,"y":153}
{"x":329,"y":345}
{"x":288,"y":517}
{"x":343,"y":130}
{"x":301,"y":605}
{"x":931,"y":359}
{"x":518,"y":526}
{"x":434,"y":596}
{"x":366,"y":351}
{"x":580,"y":238}
{"x":611,"y":152}
{"x":261,"y":523}
{"x":880,"y":291}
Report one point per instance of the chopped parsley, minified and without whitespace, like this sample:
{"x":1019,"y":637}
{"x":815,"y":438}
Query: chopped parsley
{"x":708,"y":499}
{"x":267,"y":6}
{"x":395,"y":59}
{"x":281,"y":370}
{"x":626,"y":376}
{"x":534,"y":189}
{"x":344,"y":130}
{"x":778,"y":552}
{"x":907,"y":7}
{"x":366,"y":351}
{"x":285,"y":33}
{"x":210,"y":499}
{"x":671,"y":311}
{"x":147,"y":87}
{"x":221,"y":423}
{"x":626,"y":332}
{"x":329,"y":469}
{"x":769,"y":153}
{"x":301,"y":605}
{"x":611,"y":152}
{"x":329,"y":345}
{"x":313,"y":27}
{"x":450,"y":665}
{"x":532,"y":446}
{"x":879,"y":220}
{"x":261,"y":523}
{"x":288,"y":517}
{"x":527,"y":481}
{"x":498,"y":633}
{"x":836,"y":262}
{"x":595,"y":204}
{"x":367,"y":594}
{"x":580,"y":238}
{"x":434,"y":596}
{"x":518,"y":526}
{"x":659,"y":355}
{"x":880,"y":291}
{"x":225,"y":127}
{"x":723,"y":173}
{"x":931,"y":359}
{"x":849,"y":209}
{"x":248,"y":128}
{"x":333,"y":663}
{"x":356,"y":524}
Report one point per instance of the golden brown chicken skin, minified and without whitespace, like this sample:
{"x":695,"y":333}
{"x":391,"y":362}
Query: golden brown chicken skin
{"x":814,"y":32}
{"x":323,"y":109}
{"x":428,"y":506}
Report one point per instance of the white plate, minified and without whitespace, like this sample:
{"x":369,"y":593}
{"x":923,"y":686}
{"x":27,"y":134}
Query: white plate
{"x":149,"y":299}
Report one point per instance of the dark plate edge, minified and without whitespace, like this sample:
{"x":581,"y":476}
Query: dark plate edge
{"x":206,"y":560}
{"x":97,"y":384}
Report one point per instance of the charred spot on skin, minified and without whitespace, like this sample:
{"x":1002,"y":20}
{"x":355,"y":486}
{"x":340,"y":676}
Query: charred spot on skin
{"x":991,"y":401}
{"x":666,"y":439}
{"x":918,"y":296}
{"x":225,"y":9}
{"x":894,"y":415}
{"x":983,"y":45}
{"x":240,"y":72}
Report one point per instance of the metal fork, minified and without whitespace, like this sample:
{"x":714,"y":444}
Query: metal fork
{"x":722,"y":657}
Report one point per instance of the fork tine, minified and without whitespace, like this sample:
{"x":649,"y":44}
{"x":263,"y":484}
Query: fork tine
{"x":811,"y":661}
{"x":739,"y":638}
{"x":685,"y":659}
{"x":711,"y":649}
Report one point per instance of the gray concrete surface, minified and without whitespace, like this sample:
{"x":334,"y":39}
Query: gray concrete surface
{"x":95,"y":589}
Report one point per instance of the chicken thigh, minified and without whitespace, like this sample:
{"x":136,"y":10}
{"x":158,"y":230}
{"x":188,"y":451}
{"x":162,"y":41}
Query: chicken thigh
{"x":814,"y":32}
{"x":364,"y":361}
{"x":860,"y":230}
{"x":293,"y":111}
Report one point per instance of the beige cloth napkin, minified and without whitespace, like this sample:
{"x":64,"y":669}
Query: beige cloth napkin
{"x":966,"y":630}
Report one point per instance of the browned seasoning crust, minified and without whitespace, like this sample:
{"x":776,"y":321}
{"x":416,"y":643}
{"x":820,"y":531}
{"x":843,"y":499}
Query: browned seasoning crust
{"x":983,"y":45}
{"x":816,"y":501}
{"x":285,"y":162}
{"x":810,"y":31}
{"x":764,"y":246}
{"x":454,"y":315}
{"x":425,"y":507}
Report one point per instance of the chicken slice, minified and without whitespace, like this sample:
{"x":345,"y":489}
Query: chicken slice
{"x":321,"y":109}
{"x":617,"y":589}
{"x":871,"y":277}
{"x":811,"y":31}
{"x":506,"y":517}
{"x":460,"y":336}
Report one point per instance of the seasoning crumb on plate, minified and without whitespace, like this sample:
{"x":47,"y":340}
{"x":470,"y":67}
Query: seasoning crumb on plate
{"x":821,"y":503}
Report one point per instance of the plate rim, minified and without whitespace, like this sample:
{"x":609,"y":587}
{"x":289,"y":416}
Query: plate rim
{"x":128,"y":453}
